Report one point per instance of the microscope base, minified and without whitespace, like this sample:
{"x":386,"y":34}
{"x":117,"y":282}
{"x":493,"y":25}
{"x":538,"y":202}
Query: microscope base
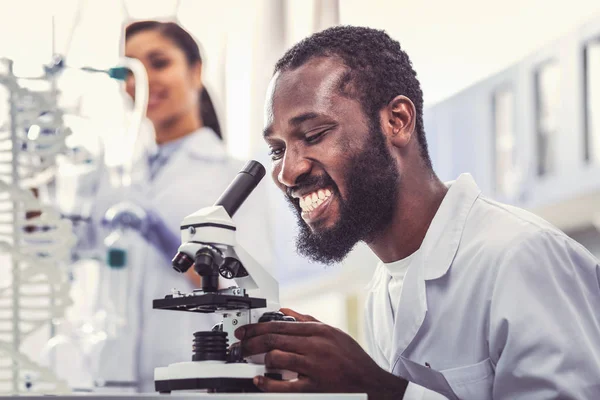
{"x":212,"y":385}
{"x":215,"y":376}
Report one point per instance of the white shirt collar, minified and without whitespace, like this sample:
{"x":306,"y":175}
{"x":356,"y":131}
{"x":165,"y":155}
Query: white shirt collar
{"x":398,"y":268}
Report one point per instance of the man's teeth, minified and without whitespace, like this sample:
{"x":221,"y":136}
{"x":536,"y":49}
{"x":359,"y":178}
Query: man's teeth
{"x":309,"y":202}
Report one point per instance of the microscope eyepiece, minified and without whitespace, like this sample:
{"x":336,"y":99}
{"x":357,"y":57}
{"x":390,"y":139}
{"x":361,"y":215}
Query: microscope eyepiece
{"x":241,"y":187}
{"x":255,"y":169}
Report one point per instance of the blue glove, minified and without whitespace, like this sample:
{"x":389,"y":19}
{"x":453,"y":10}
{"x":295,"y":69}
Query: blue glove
{"x":161,"y":236}
{"x":147,"y":223}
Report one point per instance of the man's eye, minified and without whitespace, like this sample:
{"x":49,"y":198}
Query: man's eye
{"x":276,"y":154}
{"x":315,"y":138}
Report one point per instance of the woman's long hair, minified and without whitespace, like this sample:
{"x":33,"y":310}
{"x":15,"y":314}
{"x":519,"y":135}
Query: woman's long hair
{"x":188,"y":45}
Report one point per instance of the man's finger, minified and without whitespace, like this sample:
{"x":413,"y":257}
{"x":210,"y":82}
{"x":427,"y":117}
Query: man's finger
{"x":299,"y":317}
{"x":277,"y":359}
{"x":273,"y":341}
{"x":272,"y":385}
{"x":283,"y":328}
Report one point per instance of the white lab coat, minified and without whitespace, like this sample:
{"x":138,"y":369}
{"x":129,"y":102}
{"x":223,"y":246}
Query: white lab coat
{"x":499,"y":303}
{"x":193,"y":178}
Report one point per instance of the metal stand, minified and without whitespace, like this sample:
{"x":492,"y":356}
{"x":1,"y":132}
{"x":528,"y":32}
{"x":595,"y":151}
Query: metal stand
{"x":37,"y":242}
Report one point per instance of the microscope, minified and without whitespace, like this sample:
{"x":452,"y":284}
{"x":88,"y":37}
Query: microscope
{"x":209,"y":246}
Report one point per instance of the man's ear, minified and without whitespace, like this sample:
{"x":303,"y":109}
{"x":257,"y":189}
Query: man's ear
{"x":398,"y":119}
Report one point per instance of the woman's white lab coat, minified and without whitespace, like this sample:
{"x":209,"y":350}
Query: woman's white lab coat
{"x":498,"y":305}
{"x":194,"y":177}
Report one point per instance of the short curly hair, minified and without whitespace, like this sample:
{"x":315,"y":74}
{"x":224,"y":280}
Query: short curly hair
{"x":379,"y":69}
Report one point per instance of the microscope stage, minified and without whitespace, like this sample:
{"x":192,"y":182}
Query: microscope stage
{"x":208,"y":303}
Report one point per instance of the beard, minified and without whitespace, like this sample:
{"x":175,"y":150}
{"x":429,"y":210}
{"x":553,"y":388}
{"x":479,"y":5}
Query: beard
{"x":372,"y":180}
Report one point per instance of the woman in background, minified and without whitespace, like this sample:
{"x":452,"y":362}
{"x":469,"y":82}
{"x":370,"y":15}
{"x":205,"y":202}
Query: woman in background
{"x":188,"y":170}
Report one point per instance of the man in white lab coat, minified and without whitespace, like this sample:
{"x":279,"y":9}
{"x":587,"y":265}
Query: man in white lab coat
{"x":472,"y":299}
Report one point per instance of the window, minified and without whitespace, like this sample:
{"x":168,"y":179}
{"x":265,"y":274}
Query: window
{"x":592,"y":101}
{"x":504,"y":131}
{"x":547,"y":96}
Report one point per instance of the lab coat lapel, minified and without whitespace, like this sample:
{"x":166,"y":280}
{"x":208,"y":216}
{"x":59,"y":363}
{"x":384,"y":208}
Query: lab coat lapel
{"x":205,"y":145}
{"x":202,"y":144}
{"x":411,"y":309}
{"x":382,"y":313}
{"x":432,"y":261}
{"x":168,"y":174}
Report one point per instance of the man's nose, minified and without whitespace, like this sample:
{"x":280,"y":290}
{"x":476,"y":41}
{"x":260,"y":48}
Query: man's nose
{"x":293,"y":167}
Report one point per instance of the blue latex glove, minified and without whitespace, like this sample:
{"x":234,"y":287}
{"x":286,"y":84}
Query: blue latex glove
{"x":161,"y":236}
{"x":147,"y":223}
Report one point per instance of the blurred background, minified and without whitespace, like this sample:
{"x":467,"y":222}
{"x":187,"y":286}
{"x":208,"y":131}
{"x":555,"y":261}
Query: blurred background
{"x":512,"y":96}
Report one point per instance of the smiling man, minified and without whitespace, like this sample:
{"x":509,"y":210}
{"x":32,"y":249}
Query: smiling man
{"x":472,"y":299}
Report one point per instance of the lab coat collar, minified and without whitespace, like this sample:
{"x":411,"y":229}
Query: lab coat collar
{"x":201,"y":143}
{"x":443,"y":236}
{"x":204,"y":143}
{"x":431,"y":262}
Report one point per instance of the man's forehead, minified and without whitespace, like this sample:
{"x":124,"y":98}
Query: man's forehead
{"x":314,"y":85}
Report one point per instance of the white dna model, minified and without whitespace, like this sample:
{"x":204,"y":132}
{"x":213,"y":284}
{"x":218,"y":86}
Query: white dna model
{"x":34,"y":240}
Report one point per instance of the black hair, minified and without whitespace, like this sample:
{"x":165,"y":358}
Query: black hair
{"x":182,"y":39}
{"x":379,"y":70}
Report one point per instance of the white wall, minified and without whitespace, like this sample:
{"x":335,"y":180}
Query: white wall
{"x":454,"y":44}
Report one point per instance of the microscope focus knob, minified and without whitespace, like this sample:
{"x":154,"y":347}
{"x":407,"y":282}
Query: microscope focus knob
{"x":275,"y":316}
{"x":182,"y":262}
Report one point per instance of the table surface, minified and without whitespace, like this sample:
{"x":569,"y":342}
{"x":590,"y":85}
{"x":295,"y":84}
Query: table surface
{"x":187,"y":396}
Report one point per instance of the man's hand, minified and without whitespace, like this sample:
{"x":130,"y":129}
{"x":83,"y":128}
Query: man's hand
{"x":325,"y":358}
